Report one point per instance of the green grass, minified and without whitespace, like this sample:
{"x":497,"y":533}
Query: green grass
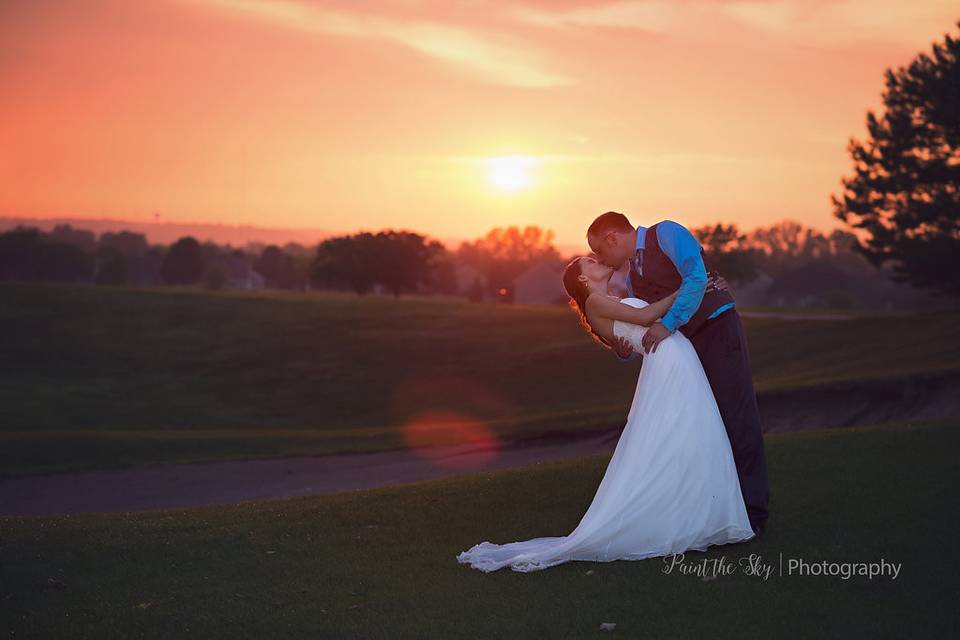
{"x":818,"y":311}
{"x":381,"y":563}
{"x":94,"y":377}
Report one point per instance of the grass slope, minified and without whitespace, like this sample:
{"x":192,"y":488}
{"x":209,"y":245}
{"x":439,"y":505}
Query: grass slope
{"x":381,"y":563}
{"x":94,"y":377}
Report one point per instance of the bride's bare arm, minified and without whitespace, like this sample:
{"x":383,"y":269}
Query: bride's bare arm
{"x":606,"y":307}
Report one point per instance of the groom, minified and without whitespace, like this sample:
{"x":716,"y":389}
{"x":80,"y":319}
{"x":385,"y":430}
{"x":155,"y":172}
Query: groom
{"x":663,"y":258}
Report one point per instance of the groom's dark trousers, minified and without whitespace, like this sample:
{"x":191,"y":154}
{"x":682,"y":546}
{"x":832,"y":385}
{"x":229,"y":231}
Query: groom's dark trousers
{"x":722,"y":348}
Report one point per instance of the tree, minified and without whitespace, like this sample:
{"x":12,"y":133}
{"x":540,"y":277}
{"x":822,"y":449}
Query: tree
{"x":126,"y":242}
{"x":347,"y":261}
{"x":62,"y":262}
{"x":399,"y":260}
{"x":67,"y":234}
{"x":444,"y":274}
{"x":723,"y":246}
{"x":787,"y":245}
{"x":214,"y":276}
{"x":276,"y":267}
{"x":783,"y":238}
{"x":26,"y":253}
{"x":184,"y":263}
{"x":111,"y":266}
{"x":905,"y":192}
{"x":18,"y":253}
{"x":503,"y":254}
{"x":718,"y":238}
{"x":405,"y":260}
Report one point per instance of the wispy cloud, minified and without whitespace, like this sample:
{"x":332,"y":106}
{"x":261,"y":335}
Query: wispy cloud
{"x":848,"y":21}
{"x":493,"y":57}
{"x":655,"y":15}
{"x":815,"y":23}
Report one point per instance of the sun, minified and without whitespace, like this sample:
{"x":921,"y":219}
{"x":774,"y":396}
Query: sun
{"x":511,"y":173}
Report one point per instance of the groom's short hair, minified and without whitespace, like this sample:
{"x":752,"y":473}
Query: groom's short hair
{"x":610,"y":221}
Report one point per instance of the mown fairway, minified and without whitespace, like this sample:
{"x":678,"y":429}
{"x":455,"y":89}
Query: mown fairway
{"x":100,"y":377}
{"x":382,"y":563}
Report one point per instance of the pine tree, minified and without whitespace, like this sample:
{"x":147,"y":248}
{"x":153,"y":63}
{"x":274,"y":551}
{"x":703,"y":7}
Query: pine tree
{"x":905,"y":194}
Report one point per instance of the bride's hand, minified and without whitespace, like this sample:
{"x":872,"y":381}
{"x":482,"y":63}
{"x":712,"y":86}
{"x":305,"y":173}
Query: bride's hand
{"x":623,"y":347}
{"x":717,"y":281}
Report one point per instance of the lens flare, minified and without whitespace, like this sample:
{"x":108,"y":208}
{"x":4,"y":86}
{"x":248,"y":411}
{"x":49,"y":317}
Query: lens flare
{"x":428,"y":432}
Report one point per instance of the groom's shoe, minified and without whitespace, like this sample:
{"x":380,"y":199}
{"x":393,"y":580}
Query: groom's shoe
{"x":758,"y":530}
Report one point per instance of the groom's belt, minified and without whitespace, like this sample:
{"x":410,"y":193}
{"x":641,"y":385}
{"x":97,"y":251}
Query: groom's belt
{"x":723,"y":315}
{"x":712,"y":300}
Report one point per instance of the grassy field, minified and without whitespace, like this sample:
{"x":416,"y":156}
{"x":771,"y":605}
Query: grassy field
{"x":94,"y":377}
{"x":381,"y":563}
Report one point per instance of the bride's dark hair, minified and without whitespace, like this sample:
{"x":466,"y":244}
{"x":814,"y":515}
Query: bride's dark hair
{"x":578,"y":297}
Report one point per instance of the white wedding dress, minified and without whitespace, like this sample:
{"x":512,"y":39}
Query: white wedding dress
{"x":671,"y":485}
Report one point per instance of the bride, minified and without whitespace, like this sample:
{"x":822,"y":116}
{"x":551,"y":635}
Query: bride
{"x":671,"y":485}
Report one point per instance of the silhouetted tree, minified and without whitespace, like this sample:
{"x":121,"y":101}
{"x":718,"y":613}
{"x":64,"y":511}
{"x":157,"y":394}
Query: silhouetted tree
{"x":62,"y":262}
{"x":444,"y":274}
{"x":724,"y":247}
{"x":214,"y":276}
{"x":782,"y":238}
{"x":183,"y":263}
{"x":111,"y":266}
{"x":83,"y":239}
{"x":399,"y":260}
{"x":503,"y":254}
{"x":346,"y":261}
{"x":405,"y":260}
{"x":786,"y":245}
{"x":216,"y":269}
{"x":26,"y":253}
{"x":905,"y":193}
{"x":126,"y":242}
{"x":19,"y":252}
{"x":276,"y":267}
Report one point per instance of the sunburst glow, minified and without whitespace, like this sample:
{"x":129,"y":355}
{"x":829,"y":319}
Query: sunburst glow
{"x":511,"y":173}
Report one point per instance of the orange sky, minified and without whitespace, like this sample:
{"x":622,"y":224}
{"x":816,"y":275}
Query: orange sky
{"x":357,"y":114}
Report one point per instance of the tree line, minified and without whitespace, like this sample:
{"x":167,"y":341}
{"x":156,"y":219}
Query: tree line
{"x":394,"y":261}
{"x":794,"y":264}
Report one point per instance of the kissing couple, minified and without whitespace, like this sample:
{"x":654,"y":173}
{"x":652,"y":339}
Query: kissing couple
{"x":689,"y":470}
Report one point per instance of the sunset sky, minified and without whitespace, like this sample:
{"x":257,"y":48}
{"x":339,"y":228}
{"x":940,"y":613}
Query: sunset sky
{"x":444,"y":117}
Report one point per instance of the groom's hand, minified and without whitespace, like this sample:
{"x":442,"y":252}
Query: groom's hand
{"x":656,"y":334}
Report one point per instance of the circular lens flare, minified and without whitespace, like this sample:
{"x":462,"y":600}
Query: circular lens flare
{"x":426,"y":432}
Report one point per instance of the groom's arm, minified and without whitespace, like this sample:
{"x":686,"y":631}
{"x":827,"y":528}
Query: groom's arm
{"x":684,"y":251}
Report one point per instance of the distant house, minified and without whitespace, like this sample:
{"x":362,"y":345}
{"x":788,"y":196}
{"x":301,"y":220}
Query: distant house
{"x":144,"y":271}
{"x":471,"y":283}
{"x":240,"y":273}
{"x":542,"y":283}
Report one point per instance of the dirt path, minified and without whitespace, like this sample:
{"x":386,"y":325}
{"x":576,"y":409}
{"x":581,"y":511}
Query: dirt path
{"x":170,"y":486}
{"x":865,"y":402}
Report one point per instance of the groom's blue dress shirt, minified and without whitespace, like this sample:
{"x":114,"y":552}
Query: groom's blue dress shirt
{"x":684,"y":251}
